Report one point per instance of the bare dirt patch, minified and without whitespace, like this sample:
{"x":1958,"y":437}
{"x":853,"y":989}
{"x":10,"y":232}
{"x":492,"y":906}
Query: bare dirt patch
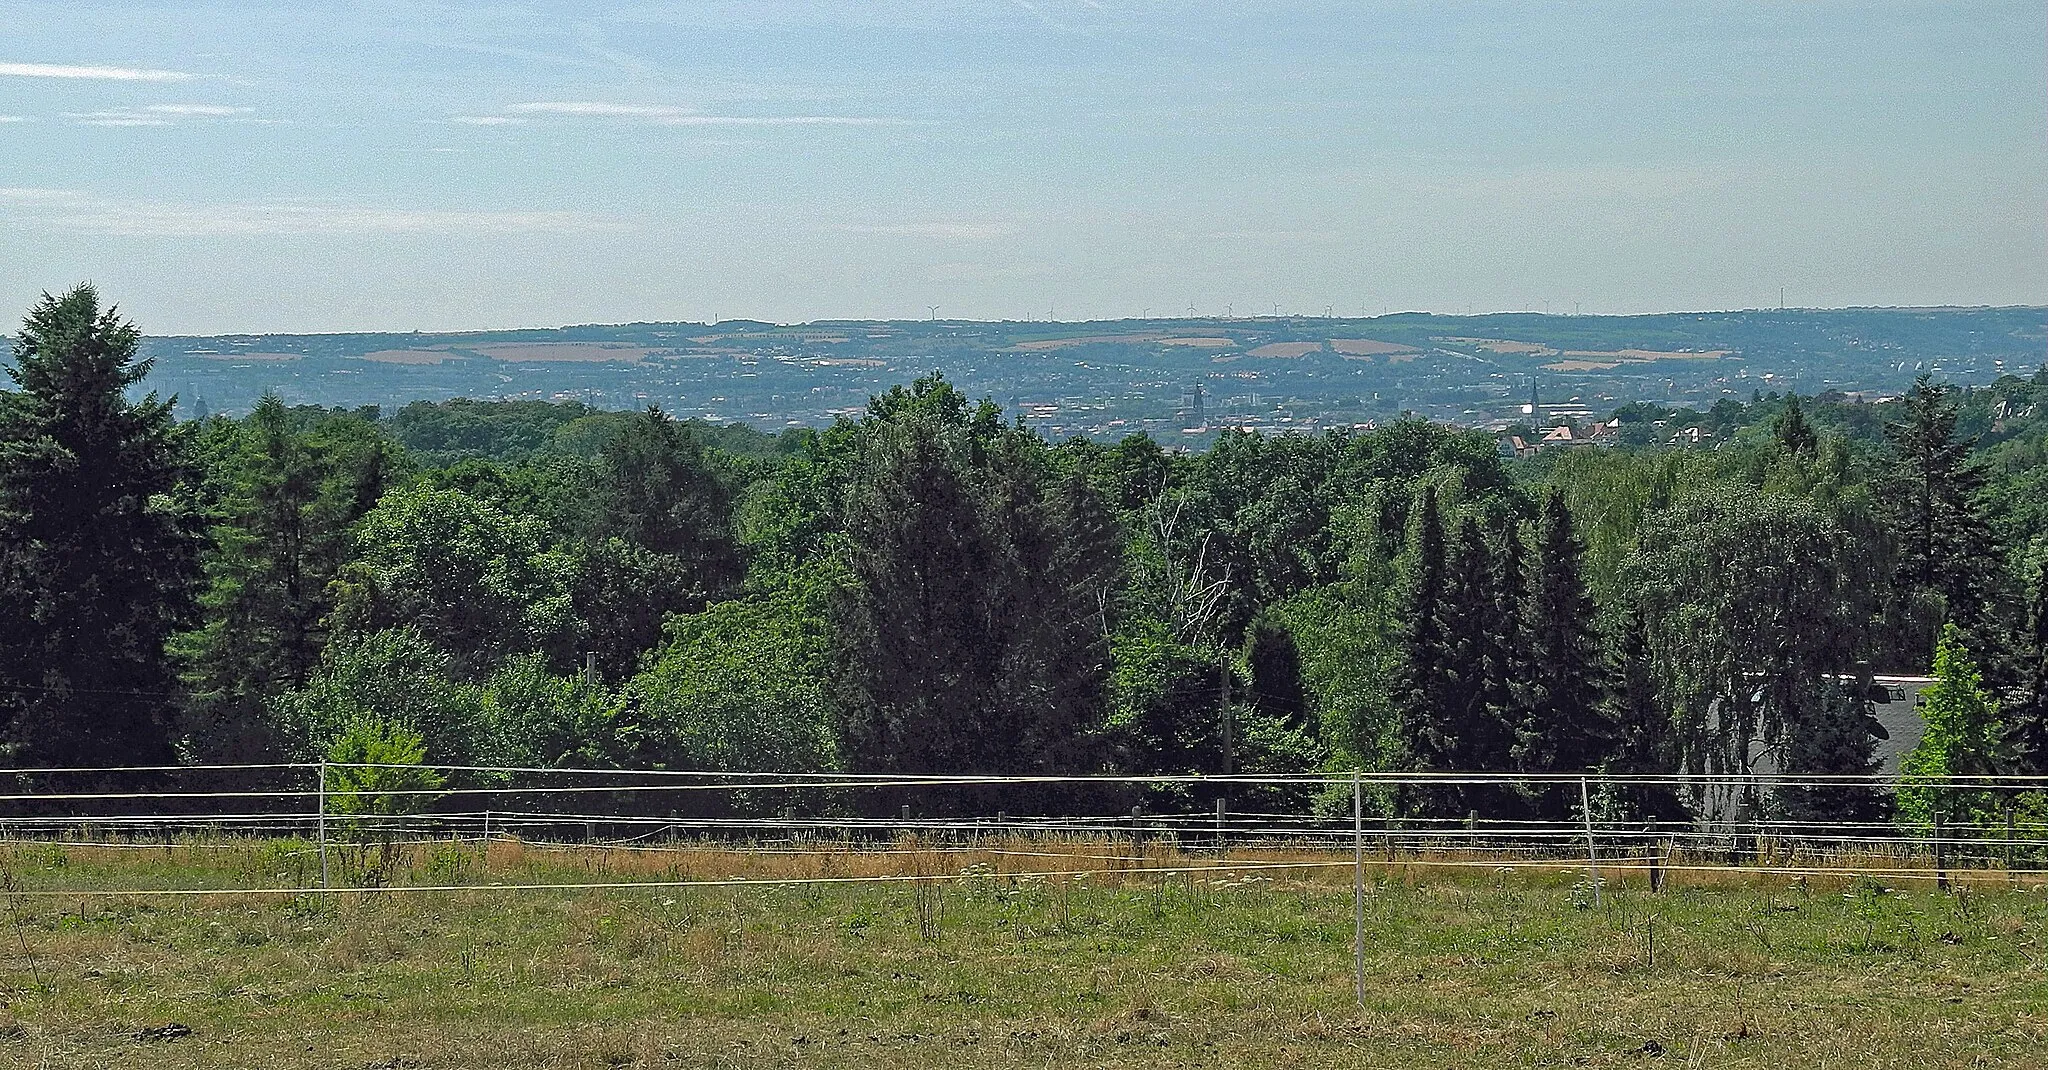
{"x":1582,"y":366}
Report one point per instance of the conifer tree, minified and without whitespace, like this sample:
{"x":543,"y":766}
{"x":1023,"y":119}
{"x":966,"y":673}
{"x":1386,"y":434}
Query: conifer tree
{"x":917,"y":671}
{"x":1565,"y":728}
{"x":1057,"y":554}
{"x":1508,"y":637}
{"x":1455,"y":689}
{"x":1795,"y":433}
{"x":1273,"y":661}
{"x":974,"y":632}
{"x":1945,"y":540}
{"x":97,"y":559}
{"x":2026,"y":733}
{"x":1644,"y":743}
{"x":276,"y":545}
{"x":1835,"y":735}
{"x":1473,"y":623}
{"x":1422,"y":684}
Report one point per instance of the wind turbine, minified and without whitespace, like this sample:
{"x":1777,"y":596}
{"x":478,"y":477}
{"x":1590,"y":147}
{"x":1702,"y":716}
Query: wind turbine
{"x":935,"y":312}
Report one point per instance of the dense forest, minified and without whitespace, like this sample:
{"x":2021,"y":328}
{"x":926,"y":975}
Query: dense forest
{"x":935,"y":588}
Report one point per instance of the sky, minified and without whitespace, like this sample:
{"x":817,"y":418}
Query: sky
{"x":404,"y":165}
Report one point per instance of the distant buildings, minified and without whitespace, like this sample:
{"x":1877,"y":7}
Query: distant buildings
{"x":1612,"y":432}
{"x":1191,"y":415}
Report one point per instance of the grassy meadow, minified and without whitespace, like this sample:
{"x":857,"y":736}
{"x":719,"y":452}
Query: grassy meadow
{"x":991,"y":964}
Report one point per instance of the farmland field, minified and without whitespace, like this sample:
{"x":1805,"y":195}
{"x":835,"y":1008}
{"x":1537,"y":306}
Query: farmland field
{"x":985,"y":963}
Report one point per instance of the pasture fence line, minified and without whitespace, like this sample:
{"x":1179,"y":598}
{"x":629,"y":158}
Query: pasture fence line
{"x":155,"y":832}
{"x":1746,"y":816}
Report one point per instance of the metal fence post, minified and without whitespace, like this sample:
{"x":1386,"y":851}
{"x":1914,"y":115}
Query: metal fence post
{"x":1358,"y":889}
{"x":1940,"y":849}
{"x":2008,"y":837}
{"x":1592,"y":856}
{"x":323,"y":825}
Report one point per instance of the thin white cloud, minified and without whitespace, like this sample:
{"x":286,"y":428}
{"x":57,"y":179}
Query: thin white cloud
{"x":104,"y":74}
{"x":28,"y":194}
{"x":13,"y":118}
{"x":115,"y":118}
{"x":158,"y":115}
{"x":201,"y":111}
{"x":673,"y":115}
{"x":780,"y":120}
{"x":74,"y":210}
{"x":600,"y":109}
{"x":949,"y":230}
{"x":486,"y":120}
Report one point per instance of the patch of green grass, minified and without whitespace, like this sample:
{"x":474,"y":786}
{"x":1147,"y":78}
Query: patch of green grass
{"x":1463,"y":968}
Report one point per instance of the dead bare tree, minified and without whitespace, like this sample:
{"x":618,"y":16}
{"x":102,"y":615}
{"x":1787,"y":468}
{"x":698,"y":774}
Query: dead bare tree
{"x":1192,"y":597}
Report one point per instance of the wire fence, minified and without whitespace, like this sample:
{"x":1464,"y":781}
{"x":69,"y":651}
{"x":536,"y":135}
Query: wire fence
{"x":297,"y":830}
{"x":369,"y":825}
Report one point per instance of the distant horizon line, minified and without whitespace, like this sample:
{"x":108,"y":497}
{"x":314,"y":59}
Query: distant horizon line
{"x":1192,"y":320}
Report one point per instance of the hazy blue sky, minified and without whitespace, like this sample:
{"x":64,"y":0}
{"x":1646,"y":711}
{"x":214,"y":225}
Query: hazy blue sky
{"x":318,"y":166}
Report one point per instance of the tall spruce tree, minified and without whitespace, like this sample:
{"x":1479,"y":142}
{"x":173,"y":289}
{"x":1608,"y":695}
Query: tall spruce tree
{"x":1422,"y":681}
{"x":1509,"y":637}
{"x":1644,"y":742}
{"x":917,"y":671}
{"x":973,"y":632}
{"x":1453,"y":684}
{"x":265,"y":596}
{"x":1946,"y":545}
{"x":1565,"y":728}
{"x":97,"y":558}
{"x":1478,"y":638}
{"x":2026,"y":731}
{"x":1056,"y":555}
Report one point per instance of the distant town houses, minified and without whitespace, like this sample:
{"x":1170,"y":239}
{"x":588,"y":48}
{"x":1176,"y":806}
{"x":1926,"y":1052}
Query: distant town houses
{"x":1601,"y":433}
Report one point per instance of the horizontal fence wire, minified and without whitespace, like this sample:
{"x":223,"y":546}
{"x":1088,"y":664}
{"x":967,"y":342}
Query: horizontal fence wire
{"x":361,"y":820}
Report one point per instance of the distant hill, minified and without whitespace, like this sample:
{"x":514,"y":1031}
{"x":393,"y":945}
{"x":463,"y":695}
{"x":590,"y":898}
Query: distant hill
{"x":1113,"y":377}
